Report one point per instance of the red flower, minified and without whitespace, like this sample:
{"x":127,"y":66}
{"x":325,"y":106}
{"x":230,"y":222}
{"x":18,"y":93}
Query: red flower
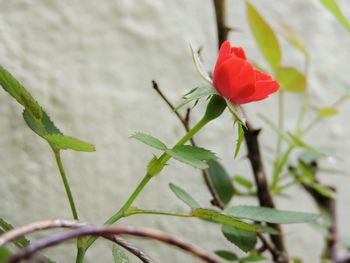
{"x":236,"y":79}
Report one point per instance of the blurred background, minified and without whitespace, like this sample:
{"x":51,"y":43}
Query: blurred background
{"x":90,"y":65}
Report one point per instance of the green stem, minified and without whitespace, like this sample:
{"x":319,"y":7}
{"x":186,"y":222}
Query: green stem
{"x":279,"y":166}
{"x":153,"y":212}
{"x":280,"y":122}
{"x":125,"y":207}
{"x":80,"y":245}
{"x":304,"y":106}
{"x":66,"y":184}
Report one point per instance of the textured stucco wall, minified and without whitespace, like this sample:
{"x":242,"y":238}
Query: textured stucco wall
{"x":90,"y":63}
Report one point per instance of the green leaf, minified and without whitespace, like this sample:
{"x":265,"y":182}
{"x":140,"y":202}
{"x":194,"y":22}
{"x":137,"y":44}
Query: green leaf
{"x":327,"y":112}
{"x":119,"y":255}
{"x":149,"y":140}
{"x":332,"y":6}
{"x":323,"y":190}
{"x":228,"y":255}
{"x":243,"y":182}
{"x":269,"y":215}
{"x":215,"y":107}
{"x":42,"y":127}
{"x":231,"y":221}
{"x":240,"y":137}
{"x":196,"y":152}
{"x":297,"y":260}
{"x":36,"y":118}
{"x":243,"y":239}
{"x":300,"y":143}
{"x":5,"y":227}
{"x":67,"y":142}
{"x":17,"y":91}
{"x":252,"y":258}
{"x":184,"y":196}
{"x":291,"y":79}
{"x":4,"y":254}
{"x":264,"y":37}
{"x":294,"y":39}
{"x":195,"y":95}
{"x":199,"y":66}
{"x":191,"y":155}
{"x":221,"y":181}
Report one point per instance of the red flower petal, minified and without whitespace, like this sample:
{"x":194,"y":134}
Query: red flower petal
{"x":234,"y":78}
{"x":261,"y":75}
{"x":263,"y":89}
{"x":239,"y":52}
{"x":224,"y":54}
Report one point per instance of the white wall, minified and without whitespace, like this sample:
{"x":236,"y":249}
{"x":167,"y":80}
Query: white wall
{"x":90,"y":64}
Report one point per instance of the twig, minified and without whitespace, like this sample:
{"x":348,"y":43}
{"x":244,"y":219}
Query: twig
{"x":216,"y":201}
{"x":171,"y":106}
{"x":251,"y":138}
{"x":91,"y":230}
{"x":131,"y":248}
{"x":60,"y":223}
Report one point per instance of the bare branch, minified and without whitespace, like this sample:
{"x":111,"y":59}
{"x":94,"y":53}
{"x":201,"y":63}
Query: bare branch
{"x":171,"y":106}
{"x":106,"y":232}
{"x":37,"y":226}
{"x":59,"y":223}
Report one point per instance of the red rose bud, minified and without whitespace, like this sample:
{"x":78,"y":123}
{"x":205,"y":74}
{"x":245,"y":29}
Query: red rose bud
{"x":236,"y":79}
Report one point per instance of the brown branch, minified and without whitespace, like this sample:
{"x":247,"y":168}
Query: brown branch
{"x":107,"y":231}
{"x":216,"y":201}
{"x":171,"y":106}
{"x":59,"y":223}
{"x":264,"y":195}
{"x":329,"y":205}
{"x":222,"y":28}
{"x":254,"y":155}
